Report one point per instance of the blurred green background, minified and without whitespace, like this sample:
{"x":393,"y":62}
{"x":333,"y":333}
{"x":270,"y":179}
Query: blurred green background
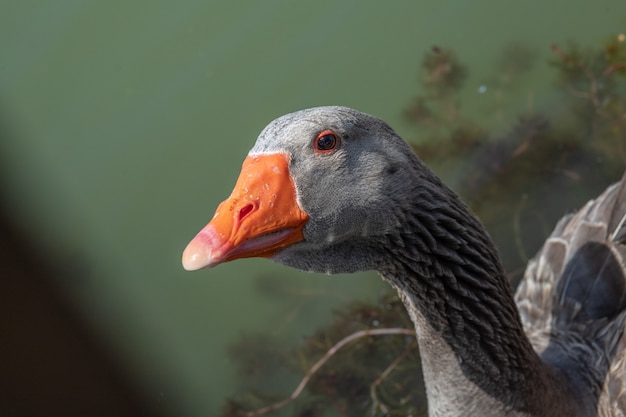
{"x":124,"y":123}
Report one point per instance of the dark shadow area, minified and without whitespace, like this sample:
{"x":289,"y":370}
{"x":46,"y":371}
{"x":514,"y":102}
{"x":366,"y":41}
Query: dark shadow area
{"x":51,"y":362}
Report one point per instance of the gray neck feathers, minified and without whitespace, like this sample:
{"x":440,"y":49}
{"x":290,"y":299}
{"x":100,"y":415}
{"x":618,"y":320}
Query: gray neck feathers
{"x":446,"y":269}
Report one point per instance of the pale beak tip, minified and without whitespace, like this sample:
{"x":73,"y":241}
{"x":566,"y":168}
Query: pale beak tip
{"x":192,"y":259}
{"x":200,"y":252}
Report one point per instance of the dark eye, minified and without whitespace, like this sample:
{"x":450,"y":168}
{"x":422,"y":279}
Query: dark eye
{"x":326,"y":141}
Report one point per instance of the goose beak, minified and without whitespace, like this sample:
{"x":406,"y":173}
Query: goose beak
{"x":260,"y":217}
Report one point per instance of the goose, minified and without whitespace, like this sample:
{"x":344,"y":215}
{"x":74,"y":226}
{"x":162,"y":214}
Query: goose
{"x":333,"y":190}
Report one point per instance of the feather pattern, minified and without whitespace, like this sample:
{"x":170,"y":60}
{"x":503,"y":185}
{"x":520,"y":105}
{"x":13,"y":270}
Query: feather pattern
{"x":572,"y":299}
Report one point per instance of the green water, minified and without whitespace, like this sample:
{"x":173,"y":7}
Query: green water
{"x":129,"y":122}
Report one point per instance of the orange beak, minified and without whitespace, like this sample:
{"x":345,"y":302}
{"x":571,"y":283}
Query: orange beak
{"x":260,"y":216}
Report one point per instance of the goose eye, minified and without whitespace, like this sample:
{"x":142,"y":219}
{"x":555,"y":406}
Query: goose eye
{"x":326,"y":141}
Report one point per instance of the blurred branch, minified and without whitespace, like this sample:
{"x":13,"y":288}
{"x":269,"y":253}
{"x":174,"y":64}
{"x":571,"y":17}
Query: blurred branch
{"x":324,"y":359}
{"x":375,"y":402}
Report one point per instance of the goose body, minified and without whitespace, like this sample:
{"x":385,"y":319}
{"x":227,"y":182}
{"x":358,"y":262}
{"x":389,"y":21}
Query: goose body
{"x":333,"y":190}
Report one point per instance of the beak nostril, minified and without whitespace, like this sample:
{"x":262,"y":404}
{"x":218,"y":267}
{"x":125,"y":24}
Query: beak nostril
{"x":245,"y":210}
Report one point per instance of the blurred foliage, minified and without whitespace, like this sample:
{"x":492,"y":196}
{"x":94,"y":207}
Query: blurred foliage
{"x":588,"y":132}
{"x":579,"y":143}
{"x":353,"y":382}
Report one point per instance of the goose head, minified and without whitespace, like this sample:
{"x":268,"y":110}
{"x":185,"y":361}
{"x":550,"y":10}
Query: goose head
{"x":319,"y":191}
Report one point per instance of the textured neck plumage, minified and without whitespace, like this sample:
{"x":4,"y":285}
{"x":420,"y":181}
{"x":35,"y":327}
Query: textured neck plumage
{"x":472,"y":343}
